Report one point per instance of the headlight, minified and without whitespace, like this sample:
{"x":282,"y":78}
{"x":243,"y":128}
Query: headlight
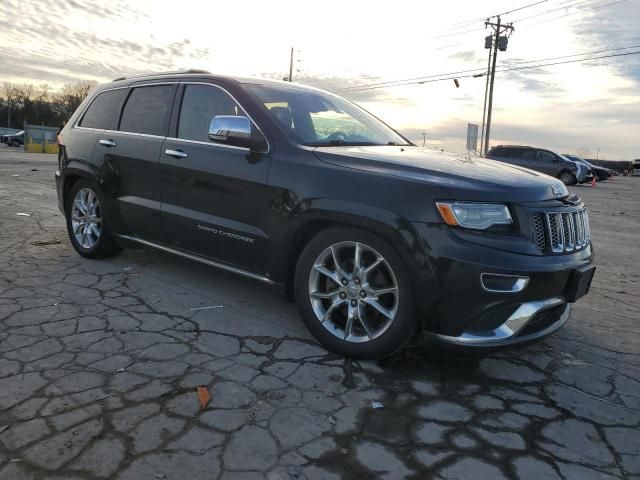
{"x":478,"y":216}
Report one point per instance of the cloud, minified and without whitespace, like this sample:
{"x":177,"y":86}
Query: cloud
{"x":470,"y":56}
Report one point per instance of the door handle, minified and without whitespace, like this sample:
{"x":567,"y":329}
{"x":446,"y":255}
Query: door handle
{"x":176,"y":153}
{"x":107,"y":142}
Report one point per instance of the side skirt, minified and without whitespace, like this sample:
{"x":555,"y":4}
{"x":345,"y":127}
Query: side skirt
{"x":196,"y":258}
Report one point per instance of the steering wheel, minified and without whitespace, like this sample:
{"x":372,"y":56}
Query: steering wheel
{"x":337,"y":136}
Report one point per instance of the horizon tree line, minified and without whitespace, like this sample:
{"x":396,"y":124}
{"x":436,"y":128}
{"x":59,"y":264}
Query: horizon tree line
{"x":22,"y":103}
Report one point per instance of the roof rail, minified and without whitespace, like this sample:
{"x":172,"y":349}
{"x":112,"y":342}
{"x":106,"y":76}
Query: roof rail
{"x":176,"y":72}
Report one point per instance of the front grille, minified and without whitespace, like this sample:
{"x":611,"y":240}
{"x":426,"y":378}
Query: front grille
{"x":560,"y":231}
{"x":537,"y":234}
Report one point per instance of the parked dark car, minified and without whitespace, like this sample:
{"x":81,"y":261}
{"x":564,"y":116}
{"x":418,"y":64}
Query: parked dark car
{"x":538,"y":159}
{"x":636,"y":166}
{"x":14,"y":140}
{"x":374,"y":237}
{"x":601,"y":173}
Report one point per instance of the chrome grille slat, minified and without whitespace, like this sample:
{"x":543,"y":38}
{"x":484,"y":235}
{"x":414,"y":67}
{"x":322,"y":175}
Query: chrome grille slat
{"x":579,"y":218}
{"x":583,"y":219}
{"x":570,"y":232}
{"x":567,"y":230}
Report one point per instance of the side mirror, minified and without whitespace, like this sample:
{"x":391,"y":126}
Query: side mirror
{"x":236,"y":131}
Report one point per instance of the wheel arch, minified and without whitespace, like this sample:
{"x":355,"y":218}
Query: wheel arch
{"x":391,"y":227}
{"x":73,"y":174}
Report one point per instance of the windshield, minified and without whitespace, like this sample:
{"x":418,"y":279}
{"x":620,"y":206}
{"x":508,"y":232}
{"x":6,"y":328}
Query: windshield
{"x":581,"y":160}
{"x":317,"y":118}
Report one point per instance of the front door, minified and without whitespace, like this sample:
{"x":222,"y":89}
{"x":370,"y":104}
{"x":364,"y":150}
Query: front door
{"x":214,"y":197}
{"x":546,"y":162}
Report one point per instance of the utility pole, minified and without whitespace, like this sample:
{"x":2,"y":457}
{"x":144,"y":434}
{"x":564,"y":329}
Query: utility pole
{"x":424,"y":139}
{"x":499,"y":43}
{"x":291,"y":66}
{"x":487,"y":44}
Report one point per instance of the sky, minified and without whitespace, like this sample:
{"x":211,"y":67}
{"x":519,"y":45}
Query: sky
{"x":591,"y":107}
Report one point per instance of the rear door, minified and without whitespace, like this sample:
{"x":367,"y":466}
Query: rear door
{"x":215,"y":197}
{"x":546,"y":162}
{"x":130,"y":156}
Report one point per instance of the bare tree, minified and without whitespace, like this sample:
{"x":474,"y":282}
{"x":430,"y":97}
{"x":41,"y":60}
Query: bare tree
{"x":8,"y":91}
{"x":72,"y":95}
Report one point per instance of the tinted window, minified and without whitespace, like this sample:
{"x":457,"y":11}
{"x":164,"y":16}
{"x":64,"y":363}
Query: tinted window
{"x":546,"y":156}
{"x":200,"y":103}
{"x":104,"y":110}
{"x":500,"y":152}
{"x":528,"y":154}
{"x":147,"y":110}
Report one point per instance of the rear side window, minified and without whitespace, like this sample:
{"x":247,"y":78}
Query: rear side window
{"x":104,"y":110}
{"x":200,"y":103}
{"x":500,"y":152}
{"x":147,"y":110}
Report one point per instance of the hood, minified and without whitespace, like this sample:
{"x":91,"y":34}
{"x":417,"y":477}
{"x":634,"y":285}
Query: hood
{"x":462,"y":178}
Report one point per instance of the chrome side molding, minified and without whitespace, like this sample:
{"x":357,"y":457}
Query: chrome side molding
{"x":199,"y":259}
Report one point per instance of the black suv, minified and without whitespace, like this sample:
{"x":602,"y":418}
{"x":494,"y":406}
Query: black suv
{"x":538,"y":159}
{"x":375,"y":238}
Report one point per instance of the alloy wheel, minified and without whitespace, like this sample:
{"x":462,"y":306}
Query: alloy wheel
{"x":86,"y":221}
{"x":353,"y":291}
{"x":566,"y":178}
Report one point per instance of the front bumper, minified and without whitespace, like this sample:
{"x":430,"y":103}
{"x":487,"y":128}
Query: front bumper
{"x":531,"y":321}
{"x":459,"y":309}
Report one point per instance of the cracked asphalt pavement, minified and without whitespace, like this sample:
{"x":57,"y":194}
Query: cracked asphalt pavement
{"x":100,"y":363}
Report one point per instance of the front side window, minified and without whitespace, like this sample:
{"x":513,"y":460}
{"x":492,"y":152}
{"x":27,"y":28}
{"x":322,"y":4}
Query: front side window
{"x":147,"y":110}
{"x":104,"y":110}
{"x":546,"y":157}
{"x":317,"y":118}
{"x":528,"y":155}
{"x":200,"y":103}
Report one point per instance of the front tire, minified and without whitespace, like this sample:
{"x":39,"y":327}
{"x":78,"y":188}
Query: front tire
{"x":87,"y":223}
{"x":15,"y":143}
{"x":567,"y":178}
{"x":354,"y":294}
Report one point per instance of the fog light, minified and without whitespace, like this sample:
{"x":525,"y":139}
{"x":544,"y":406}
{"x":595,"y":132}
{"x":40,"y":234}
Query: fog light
{"x":498,"y":283}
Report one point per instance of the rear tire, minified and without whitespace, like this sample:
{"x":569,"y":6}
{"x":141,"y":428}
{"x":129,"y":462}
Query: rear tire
{"x":372,"y":315}
{"x":567,"y":178}
{"x":87,"y":222}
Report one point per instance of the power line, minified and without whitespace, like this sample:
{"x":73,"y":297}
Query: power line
{"x":596,"y":7}
{"x":382,"y":84}
{"x":552,"y":11}
{"x":458,"y":74}
{"x":520,"y":8}
{"x":595,"y":52}
{"x":451,"y":76}
{"x":570,"y":61}
{"x":479,"y":19}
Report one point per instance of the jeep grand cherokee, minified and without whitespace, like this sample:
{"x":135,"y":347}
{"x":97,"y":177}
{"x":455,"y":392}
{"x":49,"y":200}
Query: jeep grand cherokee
{"x":375,"y":238}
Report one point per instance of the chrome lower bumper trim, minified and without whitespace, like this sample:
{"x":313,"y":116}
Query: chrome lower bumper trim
{"x":196,"y":258}
{"x":506,"y":334}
